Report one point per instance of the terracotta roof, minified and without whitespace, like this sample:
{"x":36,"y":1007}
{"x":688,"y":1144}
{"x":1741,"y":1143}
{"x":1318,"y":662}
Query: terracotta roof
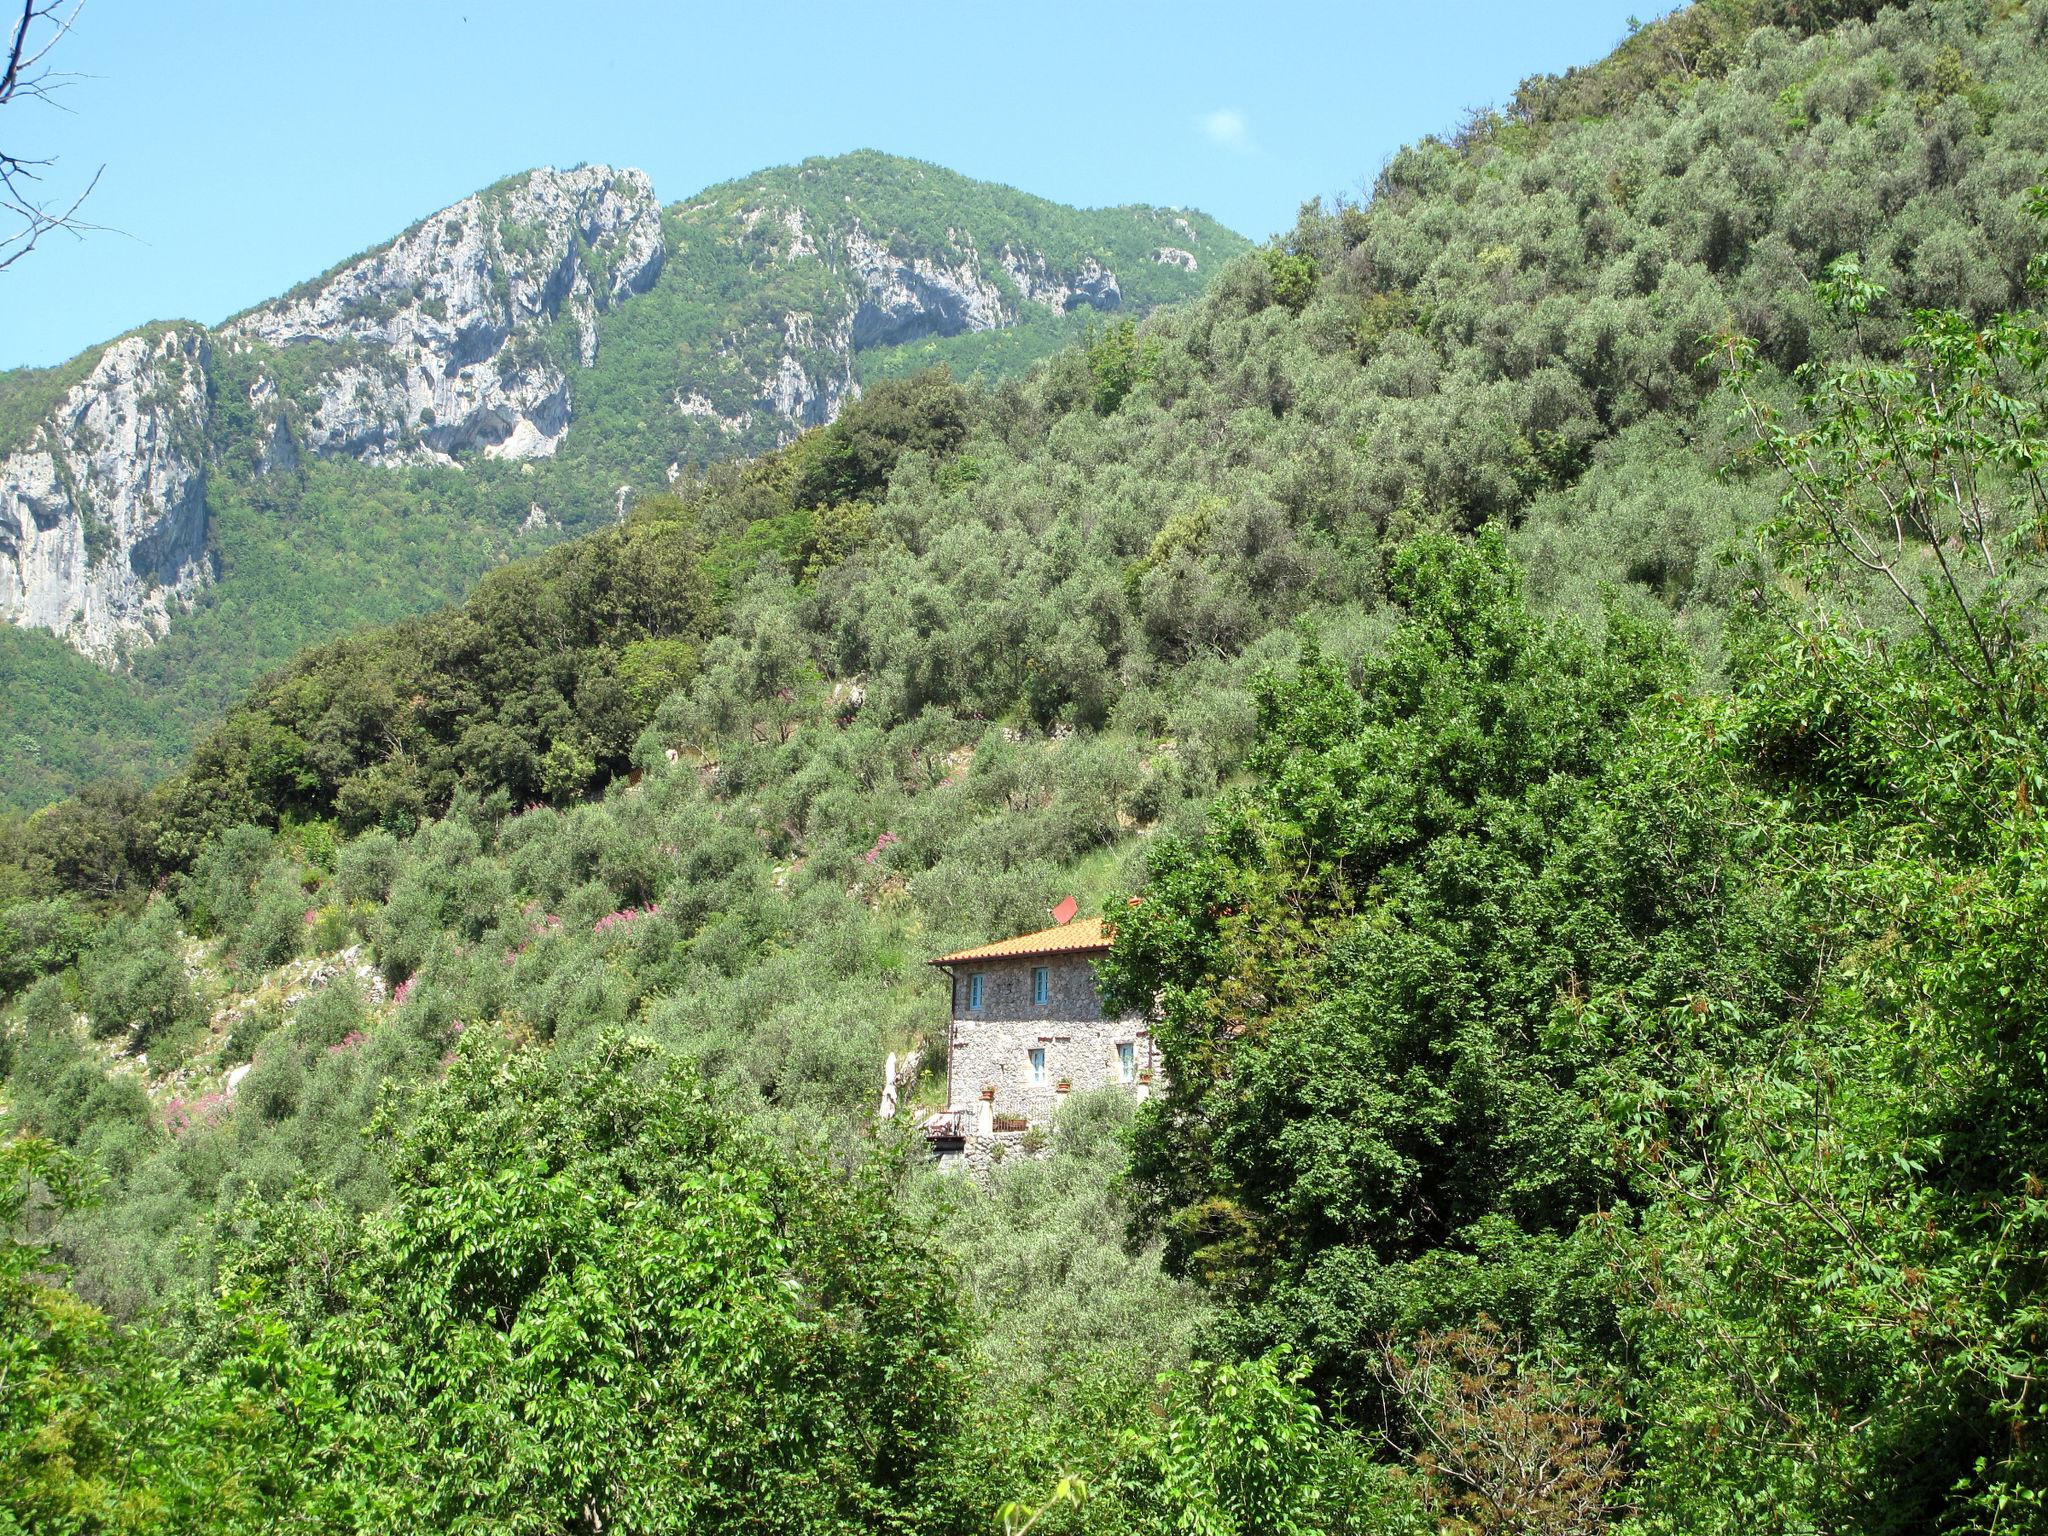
{"x":1082,"y":934}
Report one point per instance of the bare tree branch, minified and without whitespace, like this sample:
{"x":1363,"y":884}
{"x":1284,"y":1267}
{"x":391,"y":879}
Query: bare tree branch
{"x":27,"y":76}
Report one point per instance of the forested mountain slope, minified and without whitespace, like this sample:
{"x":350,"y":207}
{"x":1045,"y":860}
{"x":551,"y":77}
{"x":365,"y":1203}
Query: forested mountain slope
{"x":188,"y":507}
{"x":1601,"y":979}
{"x":1512,"y":330}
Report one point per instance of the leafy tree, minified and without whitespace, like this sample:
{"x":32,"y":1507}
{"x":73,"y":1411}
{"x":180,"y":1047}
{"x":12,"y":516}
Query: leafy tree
{"x":41,"y":937}
{"x":1117,"y":361}
{"x":77,"y":1393}
{"x":1293,"y":275}
{"x":136,"y":985}
{"x":276,"y":927}
{"x":851,"y":460}
{"x":1230,"y":1449}
{"x":1860,"y":1210}
{"x":218,"y":893}
{"x":596,"y":1302}
{"x":1373,"y":1128}
{"x":1239,"y":1450}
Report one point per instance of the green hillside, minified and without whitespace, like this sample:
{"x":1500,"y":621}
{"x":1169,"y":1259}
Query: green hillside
{"x":312,"y":554}
{"x":1556,"y":650}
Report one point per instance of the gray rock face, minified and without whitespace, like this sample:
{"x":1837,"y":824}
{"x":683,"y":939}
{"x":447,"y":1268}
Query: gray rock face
{"x":1089,"y":283}
{"x":800,"y":395}
{"x":906,"y":297}
{"x":881,"y":294}
{"x":103,"y":512}
{"x":459,"y":335}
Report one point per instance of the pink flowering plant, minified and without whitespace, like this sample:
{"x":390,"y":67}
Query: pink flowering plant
{"x":181,"y":1116}
{"x":538,"y":926}
{"x":625,"y":917}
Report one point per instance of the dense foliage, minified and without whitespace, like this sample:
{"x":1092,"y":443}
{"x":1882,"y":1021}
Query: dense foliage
{"x":575,"y":1241}
{"x":1555,"y":650}
{"x":1376,"y":1130}
{"x":1695,"y":1040}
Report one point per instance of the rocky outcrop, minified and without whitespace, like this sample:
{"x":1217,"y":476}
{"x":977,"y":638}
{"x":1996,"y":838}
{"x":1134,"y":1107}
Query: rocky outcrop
{"x":103,"y":510}
{"x":907,"y":296}
{"x":1174,"y":256}
{"x":796,"y":369}
{"x":1087,"y":282}
{"x":904,"y":295}
{"x":460,"y":335}
{"x":800,"y":392}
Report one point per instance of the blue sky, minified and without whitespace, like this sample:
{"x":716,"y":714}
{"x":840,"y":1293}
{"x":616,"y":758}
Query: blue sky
{"x":251,"y":143}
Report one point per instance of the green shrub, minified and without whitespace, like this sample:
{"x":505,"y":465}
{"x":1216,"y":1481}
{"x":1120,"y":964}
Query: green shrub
{"x":366,"y":866}
{"x":136,"y":984}
{"x":219,"y":893}
{"x":38,"y":938}
{"x":275,"y":929}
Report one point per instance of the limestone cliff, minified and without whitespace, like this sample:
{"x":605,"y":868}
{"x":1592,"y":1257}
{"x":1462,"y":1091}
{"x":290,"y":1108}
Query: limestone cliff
{"x":863,"y":287}
{"x":726,"y":326}
{"x":460,"y":336}
{"x":103,"y":509}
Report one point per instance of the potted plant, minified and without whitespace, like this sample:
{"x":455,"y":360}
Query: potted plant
{"x":1145,"y":1075}
{"x":988,"y":1091}
{"x":1012,"y":1123}
{"x":1066,"y":1085}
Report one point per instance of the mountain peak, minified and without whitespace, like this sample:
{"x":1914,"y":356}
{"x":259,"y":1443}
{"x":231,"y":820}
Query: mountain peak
{"x":548,"y":306}
{"x":433,"y":315}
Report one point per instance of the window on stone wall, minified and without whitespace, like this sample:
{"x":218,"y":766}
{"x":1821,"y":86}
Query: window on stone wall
{"x":1041,"y":984}
{"x":1038,"y":1065}
{"x":1127,"y":1061}
{"x":974,"y":991}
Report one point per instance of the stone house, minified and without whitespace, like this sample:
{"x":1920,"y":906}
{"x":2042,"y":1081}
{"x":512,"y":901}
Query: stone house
{"x":1027,"y":1029}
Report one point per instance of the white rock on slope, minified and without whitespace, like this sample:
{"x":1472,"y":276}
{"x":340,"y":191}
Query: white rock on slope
{"x":908,"y":297}
{"x":103,"y":510}
{"x":446,"y":340}
{"x":892,"y":296}
{"x":809,"y":396}
{"x":1089,"y":282}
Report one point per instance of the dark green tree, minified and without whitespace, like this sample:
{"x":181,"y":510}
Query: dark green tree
{"x":1374,"y":1126}
{"x":597,"y":1303}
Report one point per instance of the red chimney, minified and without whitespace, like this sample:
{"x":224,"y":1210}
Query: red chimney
{"x":1063,"y":914}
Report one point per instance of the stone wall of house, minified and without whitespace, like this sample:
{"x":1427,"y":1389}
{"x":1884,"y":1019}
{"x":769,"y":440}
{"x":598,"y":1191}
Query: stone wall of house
{"x":981,"y":1154}
{"x":992,"y":1045}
